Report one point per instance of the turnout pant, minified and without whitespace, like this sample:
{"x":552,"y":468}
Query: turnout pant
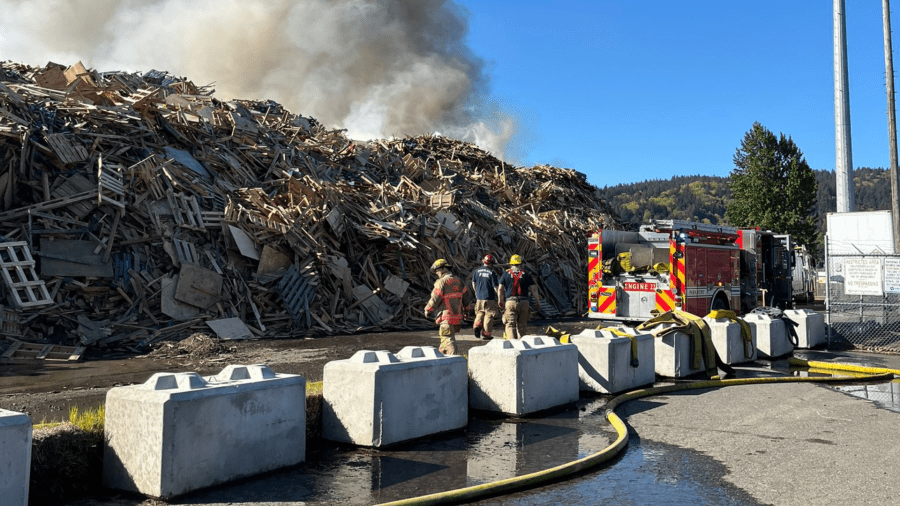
{"x":448,"y":338}
{"x":515,"y":315}
{"x":486,"y":311}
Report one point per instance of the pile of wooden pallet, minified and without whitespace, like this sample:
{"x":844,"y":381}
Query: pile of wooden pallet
{"x":138,"y":207}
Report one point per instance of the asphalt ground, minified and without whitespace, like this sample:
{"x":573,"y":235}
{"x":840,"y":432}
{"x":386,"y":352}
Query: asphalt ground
{"x":780,"y":444}
{"x":785,"y":444}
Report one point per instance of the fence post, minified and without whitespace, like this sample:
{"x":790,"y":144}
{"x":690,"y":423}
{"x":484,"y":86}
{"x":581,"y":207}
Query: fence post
{"x":827,"y":292}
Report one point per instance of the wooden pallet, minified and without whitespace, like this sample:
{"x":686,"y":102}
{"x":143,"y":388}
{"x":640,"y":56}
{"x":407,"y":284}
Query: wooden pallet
{"x":66,"y":151}
{"x":186,"y":210}
{"x":75,"y":188}
{"x":143,"y":97}
{"x":212,"y":219}
{"x":10,"y":325}
{"x":20,"y":350}
{"x":54,"y":203}
{"x":296,"y":294}
{"x":110,"y":188}
{"x":186,"y":251}
{"x":441,"y":200}
{"x":17,"y":268}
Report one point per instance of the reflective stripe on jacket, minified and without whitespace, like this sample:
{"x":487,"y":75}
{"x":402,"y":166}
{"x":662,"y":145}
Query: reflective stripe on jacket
{"x":447,"y":299}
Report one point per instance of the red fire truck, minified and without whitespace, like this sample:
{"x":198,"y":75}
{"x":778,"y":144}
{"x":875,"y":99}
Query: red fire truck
{"x":766,"y":269}
{"x":667,"y":264}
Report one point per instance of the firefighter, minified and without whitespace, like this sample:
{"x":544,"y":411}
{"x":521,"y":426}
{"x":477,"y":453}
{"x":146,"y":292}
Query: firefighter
{"x":484,"y":286}
{"x":515,"y":285}
{"x":449,"y":299}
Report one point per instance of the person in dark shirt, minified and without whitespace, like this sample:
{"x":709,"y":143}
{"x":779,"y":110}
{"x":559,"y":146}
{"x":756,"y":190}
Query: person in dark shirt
{"x":515,"y":285}
{"x":487,"y":309}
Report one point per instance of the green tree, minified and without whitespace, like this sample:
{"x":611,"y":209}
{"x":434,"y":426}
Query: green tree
{"x":772,"y":187}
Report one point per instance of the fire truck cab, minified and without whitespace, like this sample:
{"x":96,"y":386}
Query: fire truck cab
{"x":667,"y":264}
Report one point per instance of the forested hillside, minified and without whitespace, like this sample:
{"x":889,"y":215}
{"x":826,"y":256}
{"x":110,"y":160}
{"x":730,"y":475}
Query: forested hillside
{"x":703,"y":198}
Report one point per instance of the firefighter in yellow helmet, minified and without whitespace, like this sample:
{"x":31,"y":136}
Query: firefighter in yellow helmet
{"x":449,"y":299}
{"x":515,"y":285}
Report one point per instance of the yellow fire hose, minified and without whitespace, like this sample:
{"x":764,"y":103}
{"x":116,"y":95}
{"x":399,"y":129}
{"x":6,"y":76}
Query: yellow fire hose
{"x":836,"y":366}
{"x":534,"y":479}
{"x":846,"y":374}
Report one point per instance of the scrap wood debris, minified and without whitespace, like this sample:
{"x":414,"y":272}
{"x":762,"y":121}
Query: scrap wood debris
{"x":136,"y":208}
{"x":197,"y":346}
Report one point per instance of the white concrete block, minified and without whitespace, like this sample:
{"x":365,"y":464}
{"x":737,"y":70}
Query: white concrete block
{"x":180,"y":432}
{"x":729,"y":342}
{"x":524,"y":376}
{"x":673,"y":351}
{"x":15,"y":457}
{"x":376,"y":398}
{"x":604,"y":360}
{"x":770,"y":334}
{"x":810,"y":327}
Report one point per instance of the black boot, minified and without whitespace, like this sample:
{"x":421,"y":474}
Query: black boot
{"x":477,"y":332}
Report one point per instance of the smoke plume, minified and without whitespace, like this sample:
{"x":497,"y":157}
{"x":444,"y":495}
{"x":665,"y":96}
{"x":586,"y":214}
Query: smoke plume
{"x":379,"y":68}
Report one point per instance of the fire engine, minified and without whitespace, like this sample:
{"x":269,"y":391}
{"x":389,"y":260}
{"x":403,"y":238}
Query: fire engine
{"x":766,"y":269}
{"x":666,"y":265}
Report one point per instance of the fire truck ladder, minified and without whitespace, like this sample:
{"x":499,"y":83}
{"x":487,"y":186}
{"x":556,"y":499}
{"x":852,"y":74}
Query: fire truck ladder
{"x":690,"y":225}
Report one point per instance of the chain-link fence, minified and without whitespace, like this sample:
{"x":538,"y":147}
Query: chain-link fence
{"x":862,"y":301}
{"x":886,"y":395}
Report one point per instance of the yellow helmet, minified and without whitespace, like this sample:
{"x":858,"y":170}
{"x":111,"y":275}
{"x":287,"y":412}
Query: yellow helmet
{"x":440,"y":263}
{"x":515,"y":260}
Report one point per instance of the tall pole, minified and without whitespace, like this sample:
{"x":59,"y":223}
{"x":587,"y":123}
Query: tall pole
{"x":843,"y":157}
{"x":892,"y":121}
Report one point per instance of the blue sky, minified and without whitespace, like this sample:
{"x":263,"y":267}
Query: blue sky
{"x":622,"y":90}
{"x":629,"y":91}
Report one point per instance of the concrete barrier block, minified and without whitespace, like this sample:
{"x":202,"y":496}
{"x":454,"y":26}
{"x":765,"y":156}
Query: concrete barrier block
{"x":376,"y":398}
{"x":770,"y":334}
{"x":672,"y":353}
{"x":15,"y":457}
{"x":517,"y":377}
{"x":180,"y":432}
{"x":604,"y":360}
{"x":729,"y":342}
{"x":810,"y":327}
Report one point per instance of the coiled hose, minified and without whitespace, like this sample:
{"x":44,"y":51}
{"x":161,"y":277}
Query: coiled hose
{"x":538,"y":478}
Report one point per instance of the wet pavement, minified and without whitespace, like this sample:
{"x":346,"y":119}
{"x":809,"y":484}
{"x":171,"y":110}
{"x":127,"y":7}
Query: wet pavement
{"x":659,"y":466}
{"x":776,"y":444}
{"x":491,"y":449}
{"x":648,"y":473}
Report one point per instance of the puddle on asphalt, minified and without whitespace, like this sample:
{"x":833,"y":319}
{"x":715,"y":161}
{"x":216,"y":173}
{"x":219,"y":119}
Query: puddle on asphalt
{"x":489,"y":450}
{"x":647,"y":473}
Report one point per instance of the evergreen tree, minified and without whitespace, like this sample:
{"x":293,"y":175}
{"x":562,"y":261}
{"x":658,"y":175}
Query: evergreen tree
{"x":773,"y":187}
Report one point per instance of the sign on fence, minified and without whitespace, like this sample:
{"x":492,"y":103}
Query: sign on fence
{"x":862,"y":276}
{"x":892,"y":275}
